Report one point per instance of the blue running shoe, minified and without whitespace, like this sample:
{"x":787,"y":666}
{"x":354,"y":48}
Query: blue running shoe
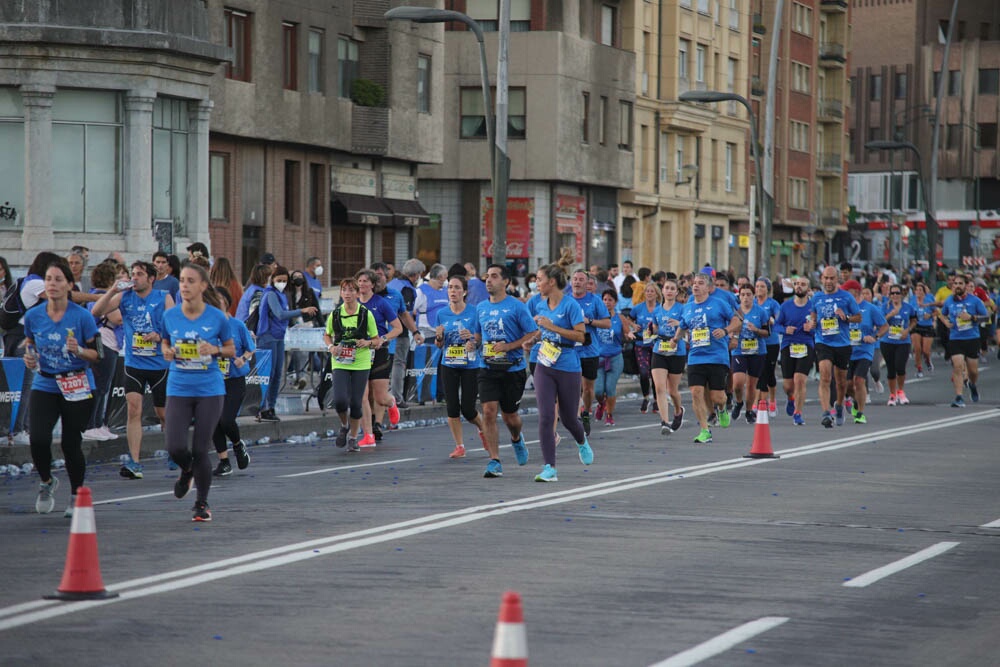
{"x":548,"y":474}
{"x":797,"y":418}
{"x":840,"y":415}
{"x":974,"y":392}
{"x":520,"y":450}
{"x":789,"y":407}
{"x":493,"y":469}
{"x":959,"y":402}
{"x":586,"y":453}
{"x":131,"y":469}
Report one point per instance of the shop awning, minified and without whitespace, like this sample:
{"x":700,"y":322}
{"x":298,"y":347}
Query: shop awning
{"x":407,"y":213}
{"x":359,"y":210}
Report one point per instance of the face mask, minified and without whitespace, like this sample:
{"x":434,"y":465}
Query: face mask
{"x":318,"y":271}
{"x":280,"y":286}
{"x":298,"y":282}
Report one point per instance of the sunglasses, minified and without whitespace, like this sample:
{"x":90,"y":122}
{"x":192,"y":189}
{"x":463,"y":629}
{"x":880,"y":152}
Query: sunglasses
{"x":895,"y":293}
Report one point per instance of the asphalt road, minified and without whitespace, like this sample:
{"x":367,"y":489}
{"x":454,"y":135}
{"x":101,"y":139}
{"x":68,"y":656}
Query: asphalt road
{"x":662,"y":552}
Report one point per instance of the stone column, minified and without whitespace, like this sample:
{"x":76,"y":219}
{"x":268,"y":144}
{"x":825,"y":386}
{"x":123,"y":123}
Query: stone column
{"x":197,"y":202}
{"x":37,"y":234}
{"x":138,"y":164}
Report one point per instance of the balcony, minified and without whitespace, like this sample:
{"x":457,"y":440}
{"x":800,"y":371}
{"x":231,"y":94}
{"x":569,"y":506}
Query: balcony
{"x":829,"y":164}
{"x":830,"y":110}
{"x":758,"y":24}
{"x":833,"y":6}
{"x":700,"y":85}
{"x":831,"y":217}
{"x":756,"y":86}
{"x":369,"y":130}
{"x":832,"y":54}
{"x":683,"y":85}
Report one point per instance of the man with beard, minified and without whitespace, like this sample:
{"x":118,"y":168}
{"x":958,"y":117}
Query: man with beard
{"x":834,"y":310}
{"x":796,"y":321}
{"x":961,"y":314}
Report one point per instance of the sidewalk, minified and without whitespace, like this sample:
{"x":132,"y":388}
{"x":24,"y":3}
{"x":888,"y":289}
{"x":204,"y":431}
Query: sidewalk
{"x":252,"y":430}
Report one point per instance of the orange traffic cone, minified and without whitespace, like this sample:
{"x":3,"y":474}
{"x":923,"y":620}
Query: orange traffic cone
{"x":82,"y":574}
{"x":510,"y":645}
{"x":761,"y":448}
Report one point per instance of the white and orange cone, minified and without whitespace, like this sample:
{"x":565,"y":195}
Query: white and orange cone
{"x":761,"y":447}
{"x":82,"y":575}
{"x":510,"y":644}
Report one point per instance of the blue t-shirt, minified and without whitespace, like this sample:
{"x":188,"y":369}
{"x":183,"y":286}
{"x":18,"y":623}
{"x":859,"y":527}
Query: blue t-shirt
{"x":665,"y":331}
{"x":169,"y":284}
{"x":532,"y":305}
{"x":953,"y":308}
{"x":453,"y":352}
{"x":609,"y":341}
{"x":567,"y":314}
{"x":382,"y":310}
{"x":772,"y":308}
{"x":749,"y":343}
{"x":593,"y":308}
{"x":899,"y":324}
{"x":395,"y":299}
{"x":791,"y":315}
{"x":244,"y":343}
{"x":925,"y":312}
{"x":50,"y":343}
{"x":701,"y":320}
{"x":190,"y":375}
{"x":831,"y":330}
{"x":643,"y":317}
{"x":142,"y":316}
{"x":726,"y":296}
{"x":477,"y":292}
{"x":506,"y":321}
{"x":872,"y":320}
{"x":243,"y":308}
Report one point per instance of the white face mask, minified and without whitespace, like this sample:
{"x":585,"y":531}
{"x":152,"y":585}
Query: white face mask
{"x":318,"y":271}
{"x":280,"y":286}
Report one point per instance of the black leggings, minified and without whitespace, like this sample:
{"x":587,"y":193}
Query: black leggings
{"x":896,"y":355}
{"x":768,"y":379}
{"x":236,"y":389}
{"x":46,"y":408}
{"x":205,"y":411}
{"x":465,"y":380}
{"x":349,"y":391}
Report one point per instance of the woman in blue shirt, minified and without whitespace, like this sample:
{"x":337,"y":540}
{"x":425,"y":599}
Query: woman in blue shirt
{"x":234,"y":372}
{"x":644,"y":315}
{"x":922,"y":336}
{"x":61,"y":341}
{"x":558,"y":371}
{"x":457,"y":334}
{"x":194,"y":334}
{"x":749,"y":354}
{"x":768,"y":381}
{"x":895,"y":344}
{"x":610,"y":362}
{"x":389,"y":328}
{"x":669,"y":359}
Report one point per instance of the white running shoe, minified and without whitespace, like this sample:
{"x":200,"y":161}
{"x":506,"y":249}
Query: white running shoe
{"x":108,"y":433}
{"x":93,"y":434}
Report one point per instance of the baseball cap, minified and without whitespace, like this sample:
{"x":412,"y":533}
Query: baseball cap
{"x":267,"y":258}
{"x":851,"y":285}
{"x":708,"y":271}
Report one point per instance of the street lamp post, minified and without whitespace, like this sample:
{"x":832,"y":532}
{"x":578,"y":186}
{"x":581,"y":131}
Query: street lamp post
{"x":884,"y":145}
{"x":713,"y":96}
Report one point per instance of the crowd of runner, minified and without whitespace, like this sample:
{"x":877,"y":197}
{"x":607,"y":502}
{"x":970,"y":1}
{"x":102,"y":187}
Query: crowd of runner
{"x":188,"y":334}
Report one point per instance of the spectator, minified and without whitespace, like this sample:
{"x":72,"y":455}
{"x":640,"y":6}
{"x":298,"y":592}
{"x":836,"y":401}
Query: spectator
{"x":639,"y":289}
{"x":431,"y":297}
{"x":81,"y":283}
{"x":166,"y":274}
{"x":222,"y":275}
{"x":258,"y":281}
{"x":197,"y":249}
{"x":405,"y":283}
{"x":300,"y":297}
{"x":477,"y":288}
{"x":626,"y":272}
{"x":314,"y":269}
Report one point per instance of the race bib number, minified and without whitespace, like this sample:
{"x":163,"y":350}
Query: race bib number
{"x":667,"y":347}
{"x":701,"y":337}
{"x":490,"y":351}
{"x":142,"y":347}
{"x":74,"y":386}
{"x":188,"y":358}
{"x":895,"y":332}
{"x":348,"y":353}
{"x":224,"y":366}
{"x":799,"y":350}
{"x":829,"y":326}
{"x":855,"y":336}
{"x":549,"y":353}
{"x":749,"y":345}
{"x":964,"y":324}
{"x":456,"y":355}
{"x":648,"y":336}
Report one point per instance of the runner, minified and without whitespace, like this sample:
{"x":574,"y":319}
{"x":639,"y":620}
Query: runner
{"x":749,"y":353}
{"x":141,"y":309}
{"x":644,"y":315}
{"x":595,"y":316}
{"x":669,"y":359}
{"x":895,"y":344}
{"x":796,"y":321}
{"x":961,"y":314}
{"x":922,"y":336}
{"x":457,"y":333}
{"x":876,"y":369}
{"x":234,"y":373}
{"x":558,"y":371}
{"x":768,"y":382}
{"x":864,"y":335}
{"x":195,"y":333}
{"x":506,"y":325}
{"x":610,"y":364}
{"x":834,"y":310}
{"x":709,"y":321}
{"x":60,"y":342}
{"x":389,"y":328}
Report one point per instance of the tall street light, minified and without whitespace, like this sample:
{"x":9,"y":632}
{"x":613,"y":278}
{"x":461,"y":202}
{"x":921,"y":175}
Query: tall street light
{"x":712,"y":96}
{"x":499,"y":162}
{"x":885,"y":145}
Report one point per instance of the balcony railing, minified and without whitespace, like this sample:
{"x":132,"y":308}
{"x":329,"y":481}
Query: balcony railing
{"x":830,"y":163}
{"x":758,"y":24}
{"x":833,"y":5}
{"x":756,"y":86}
{"x":831,"y":109}
{"x":683,"y":85}
{"x":831,"y":217}
{"x":700,"y":85}
{"x":832,"y":51}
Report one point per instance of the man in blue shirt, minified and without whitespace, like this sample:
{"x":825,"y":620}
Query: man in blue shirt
{"x":796,"y":323}
{"x":595,"y":316}
{"x":834,"y":310}
{"x":477,"y":288}
{"x":864,"y":335}
{"x":313,"y":270}
{"x":960,"y":314}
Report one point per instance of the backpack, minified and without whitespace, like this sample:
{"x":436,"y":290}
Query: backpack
{"x":12,"y":307}
{"x":253,"y":319}
{"x":360,"y":329}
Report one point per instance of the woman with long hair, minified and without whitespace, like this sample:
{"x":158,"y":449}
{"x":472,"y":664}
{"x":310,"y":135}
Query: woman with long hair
{"x":644,"y":315}
{"x":922,"y":336}
{"x":768,"y":382}
{"x":389,"y":328}
{"x":102,"y":278}
{"x":668,"y":359}
{"x":610,"y":363}
{"x":6,"y":280}
{"x":300,"y":295}
{"x":195,"y":334}
{"x":61,"y":341}
{"x":234,"y":372}
{"x":895,"y":344}
{"x":749,"y":353}
{"x":351,"y":332}
{"x":222,"y":275}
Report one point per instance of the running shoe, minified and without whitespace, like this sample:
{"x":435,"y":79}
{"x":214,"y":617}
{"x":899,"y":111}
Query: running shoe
{"x":200,"y":512}
{"x":520,"y":450}
{"x":790,"y":407}
{"x":585,"y":419}
{"x":859,"y":418}
{"x":224,"y":469}
{"x":920,"y":372}
{"x":599,"y":411}
{"x":644,"y":408}
{"x":930,"y":366}
{"x":458,"y":452}
{"x":393,"y":413}
{"x":828,"y":419}
{"x":69,"y":508}
{"x":737,"y":409}
{"x":268,"y":416}
{"x":729,"y":401}
{"x":367,"y":441}
{"x":242,"y":456}
{"x":46,"y":500}
{"x":879,"y":387}
{"x":352,"y":444}
{"x":892,"y":400}
{"x":93,"y":434}
{"x":723,"y":418}
{"x":849,"y":404}
{"x":131,"y":469}
{"x":548,"y":474}
{"x":493,"y":469}
{"x":974,"y":392}
{"x":656,"y":407}
{"x":959,"y":402}
{"x":840,"y":415}
{"x":854,"y":410}
{"x":772,"y":408}
{"x":171,"y":464}
{"x":482,"y":439}
{"x":712,"y":418}
{"x":704,"y":437}
{"x":798,"y":420}
{"x":376,"y":431}
{"x":678,"y":421}
{"x":609,"y":420}
{"x":751,"y":416}
{"x":586,"y":453}
{"x":183,"y":483}
{"x":341,"y":440}
{"x":665,"y":428}
{"x":901,"y":398}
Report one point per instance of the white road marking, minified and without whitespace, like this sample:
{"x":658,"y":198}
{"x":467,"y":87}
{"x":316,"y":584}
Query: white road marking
{"x":360,"y":465}
{"x":124,"y":498}
{"x":723,"y":642}
{"x":869,"y":578}
{"x":30,"y":612}
{"x":991,"y":524}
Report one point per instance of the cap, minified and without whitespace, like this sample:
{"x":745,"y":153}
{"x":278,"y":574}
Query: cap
{"x":851,"y":285}
{"x":267,"y":258}
{"x":708,"y":271}
{"x":767,"y":282}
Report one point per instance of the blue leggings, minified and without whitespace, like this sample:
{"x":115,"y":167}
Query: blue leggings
{"x":609,"y":369}
{"x":277,"y":348}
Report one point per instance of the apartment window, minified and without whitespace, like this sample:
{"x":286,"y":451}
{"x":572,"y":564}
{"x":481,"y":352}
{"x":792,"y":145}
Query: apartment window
{"x":800,"y":77}
{"x":679,"y":157}
{"x":953,"y":138}
{"x":942,"y":31}
{"x":625,"y":125}
{"x":643,"y":150}
{"x":586,"y":118}
{"x":237,"y":36}
{"x":801,"y":19}
{"x":960,"y":33}
{"x":798,"y":193}
{"x":731,"y":67}
{"x":424,"y":83}
{"x":316,"y":188}
{"x":988,"y":135}
{"x":734,"y":15}
{"x":800,"y":136}
{"x":315,"y":47}
{"x":900,"y":87}
{"x":954,"y":83}
{"x":170,"y":161}
{"x":602,"y":121}
{"x":686,"y":4}
{"x":218,"y":186}
{"x":682,"y":58}
{"x":699,"y":63}
{"x":875,"y":87}
{"x":936,"y":82}
{"x":730,"y":160}
{"x":487,"y":14}
{"x":473,"y":117}
{"x":289,"y":51}
{"x":347,"y":58}
{"x":664,"y":156}
{"x":989,"y":81}
{"x":609,"y":25}
{"x":292,"y":186}
{"x":703,"y":7}
{"x":984,"y":32}
{"x":874,"y":133}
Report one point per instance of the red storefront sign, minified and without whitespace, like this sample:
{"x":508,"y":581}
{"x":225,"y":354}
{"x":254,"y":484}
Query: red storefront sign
{"x":520,"y":213}
{"x":571,"y":214}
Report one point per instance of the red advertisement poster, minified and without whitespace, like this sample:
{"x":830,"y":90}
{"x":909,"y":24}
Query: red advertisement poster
{"x":571,"y":213}
{"x":520,"y":213}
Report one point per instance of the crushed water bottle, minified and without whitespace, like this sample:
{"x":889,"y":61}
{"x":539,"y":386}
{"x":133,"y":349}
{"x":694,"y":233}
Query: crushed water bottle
{"x":28,"y":468}
{"x":124,"y":458}
{"x":264,"y":440}
{"x":59,"y":464}
{"x":330,"y":433}
{"x":295,"y":439}
{"x":160,"y":454}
